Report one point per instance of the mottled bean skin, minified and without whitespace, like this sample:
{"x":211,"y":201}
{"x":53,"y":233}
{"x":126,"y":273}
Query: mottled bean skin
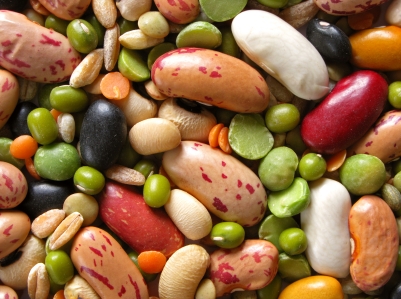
{"x":13,"y":186}
{"x":102,"y":262}
{"x":211,"y":77}
{"x":179,"y":11}
{"x":67,"y":10}
{"x":348,"y":7}
{"x":226,"y":187}
{"x":33,"y":51}
{"x":251,"y":266}
{"x":9,"y":93}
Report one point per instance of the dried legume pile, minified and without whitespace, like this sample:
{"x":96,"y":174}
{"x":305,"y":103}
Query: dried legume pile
{"x":200,"y":149}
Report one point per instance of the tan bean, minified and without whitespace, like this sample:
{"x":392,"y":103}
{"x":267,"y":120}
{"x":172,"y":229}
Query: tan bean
{"x":111,"y":47}
{"x":83,"y":203}
{"x":299,"y":14}
{"x":137,"y":40}
{"x":94,"y":87}
{"x":125,"y":175}
{"x":45,"y":224}
{"x":27,"y":89}
{"x":105,"y":11}
{"x":153,"y":92}
{"x":88,"y":70}
{"x":131,"y":10}
{"x":154,"y":135}
{"x":79,"y":288}
{"x":374,"y":237}
{"x":66,"y":230}
{"x":205,"y":290}
{"x":38,"y":282}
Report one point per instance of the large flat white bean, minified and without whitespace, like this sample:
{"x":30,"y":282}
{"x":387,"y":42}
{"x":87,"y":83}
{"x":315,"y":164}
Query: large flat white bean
{"x":325,"y":223}
{"x":282,"y":52}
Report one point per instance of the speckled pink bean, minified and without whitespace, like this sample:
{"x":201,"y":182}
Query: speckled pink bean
{"x":33,"y":51}
{"x":103,"y":263}
{"x":66,"y":9}
{"x":211,"y":77}
{"x":9,"y":94}
{"x":225,"y":186}
{"x":383,"y":139}
{"x":7,"y":292}
{"x":349,"y":7}
{"x":251,"y":266}
{"x":13,"y":186}
{"x":179,"y":11}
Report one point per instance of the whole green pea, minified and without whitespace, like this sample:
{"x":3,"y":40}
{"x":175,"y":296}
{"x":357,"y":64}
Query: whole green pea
{"x":293,"y":241}
{"x":282,"y":118}
{"x":146,"y":167}
{"x":156,"y":190}
{"x":362,"y":174}
{"x":57,"y":24}
{"x":397,"y":181}
{"x":394,"y":94}
{"x":82,"y":36}
{"x":68,"y":99}
{"x":89,"y":180}
{"x":227,"y":234}
{"x":59,"y":266}
{"x":100,"y":30}
{"x":312,"y":166}
{"x":42,"y":126}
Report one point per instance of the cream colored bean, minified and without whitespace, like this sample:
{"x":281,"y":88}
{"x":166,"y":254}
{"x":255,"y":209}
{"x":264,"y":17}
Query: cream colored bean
{"x":111,"y":47}
{"x":79,"y":288}
{"x":84,"y":204}
{"x":183,"y":272}
{"x":264,"y":38}
{"x":193,"y":125}
{"x":38,"y":282}
{"x":137,"y":40}
{"x":125,"y":175}
{"x":136,"y":108}
{"x":88,"y":70}
{"x":281,"y":93}
{"x":393,"y":13}
{"x":94,"y":87}
{"x":205,"y":290}
{"x":45,"y":224}
{"x":188,"y":214}
{"x":153,"y":92}
{"x":154,"y":24}
{"x":66,"y":127}
{"x":328,"y":236}
{"x":131,"y":10}
{"x":27,"y":89}
{"x":154,"y":135}
{"x":16,"y":274}
{"x":105,"y":11}
{"x":66,"y":230}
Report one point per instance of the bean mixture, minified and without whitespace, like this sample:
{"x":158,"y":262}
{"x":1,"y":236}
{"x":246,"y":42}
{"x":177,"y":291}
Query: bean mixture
{"x":200,"y":149}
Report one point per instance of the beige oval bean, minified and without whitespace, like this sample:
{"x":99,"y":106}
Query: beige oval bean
{"x":66,"y":127}
{"x":45,"y":224}
{"x":94,"y":87}
{"x":137,"y":40}
{"x":27,"y":89}
{"x":24,"y":45}
{"x":88,"y":70}
{"x":153,"y":24}
{"x":374,"y":234}
{"x":105,"y":11}
{"x":153,"y":92}
{"x":136,"y":108}
{"x":83,"y":203}
{"x":66,"y":230}
{"x":131,"y":10}
{"x":393,"y":13}
{"x":125,"y":175}
{"x":154,"y":135}
{"x":79,"y":288}
{"x":38,"y":282}
{"x":251,"y":266}
{"x":183,"y":272}
{"x":188,"y":214}
{"x":111,"y":47}
{"x":205,"y":290}
{"x":16,"y":274}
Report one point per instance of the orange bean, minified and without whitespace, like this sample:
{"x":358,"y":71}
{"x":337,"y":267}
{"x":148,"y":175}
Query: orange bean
{"x":30,"y":167}
{"x":364,"y":20}
{"x":335,"y":161}
{"x":23,"y":147}
{"x":214,"y":135}
{"x":59,"y":295}
{"x":223,"y":141}
{"x":151,"y":261}
{"x":55,"y":113}
{"x":115,"y":86}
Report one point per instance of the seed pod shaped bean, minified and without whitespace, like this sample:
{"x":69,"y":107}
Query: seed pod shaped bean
{"x":102,"y":262}
{"x":9,"y":93}
{"x":23,"y":47}
{"x":183,"y":272}
{"x":68,"y":10}
{"x":226,"y":187}
{"x":256,"y":33}
{"x":15,"y":226}
{"x":381,"y":140}
{"x":345,"y":8}
{"x":346,"y":114}
{"x":251,"y":266}
{"x":374,"y":234}
{"x":325,"y":223}
{"x":211,"y":77}
{"x":377,"y":48}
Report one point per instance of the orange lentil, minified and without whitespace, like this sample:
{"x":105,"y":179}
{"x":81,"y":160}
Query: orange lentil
{"x":23,"y":147}
{"x":114,"y":86}
{"x":151,"y":261}
{"x":214,"y":135}
{"x":335,"y":161}
{"x":55,"y":113}
{"x":59,"y":295}
{"x":223,"y":141}
{"x":30,"y":167}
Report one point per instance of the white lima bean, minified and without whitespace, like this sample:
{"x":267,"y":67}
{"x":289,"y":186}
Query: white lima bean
{"x":283,"y":52}
{"x":188,"y":214}
{"x":325,"y":223}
